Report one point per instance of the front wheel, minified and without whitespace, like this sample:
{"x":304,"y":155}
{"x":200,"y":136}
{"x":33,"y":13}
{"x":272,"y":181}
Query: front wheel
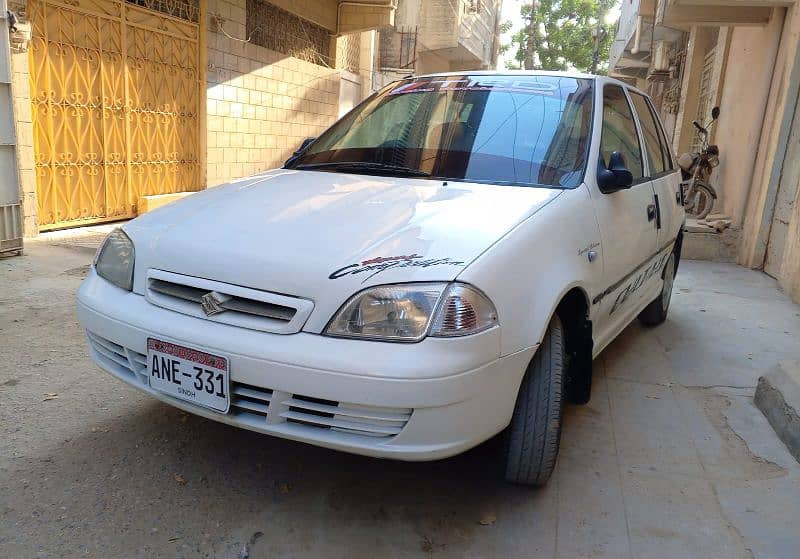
{"x":533,"y":438}
{"x":700,"y":201}
{"x":656,"y":312}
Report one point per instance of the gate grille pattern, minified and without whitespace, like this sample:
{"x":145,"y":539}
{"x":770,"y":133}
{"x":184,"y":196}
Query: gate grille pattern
{"x":115,"y":107}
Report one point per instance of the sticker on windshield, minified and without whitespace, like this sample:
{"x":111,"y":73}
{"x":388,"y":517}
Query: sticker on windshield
{"x":482,"y":83}
{"x":382,"y":263}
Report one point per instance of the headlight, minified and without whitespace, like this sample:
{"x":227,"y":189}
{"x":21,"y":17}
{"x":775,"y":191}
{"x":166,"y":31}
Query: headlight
{"x":409,"y":312}
{"x":713,"y":160}
{"x":114,"y":260}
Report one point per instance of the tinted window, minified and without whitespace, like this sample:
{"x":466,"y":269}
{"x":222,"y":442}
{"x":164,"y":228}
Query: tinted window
{"x":525,"y":130}
{"x":669,"y":163}
{"x":619,"y":131}
{"x":652,"y":140}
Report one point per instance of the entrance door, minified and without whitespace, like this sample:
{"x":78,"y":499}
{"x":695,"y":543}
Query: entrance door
{"x":115,"y":95}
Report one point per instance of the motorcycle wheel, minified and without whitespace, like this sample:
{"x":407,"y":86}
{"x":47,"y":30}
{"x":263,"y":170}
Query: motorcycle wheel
{"x":700,"y":202}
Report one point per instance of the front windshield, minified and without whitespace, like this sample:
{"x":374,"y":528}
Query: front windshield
{"x":525,"y":130}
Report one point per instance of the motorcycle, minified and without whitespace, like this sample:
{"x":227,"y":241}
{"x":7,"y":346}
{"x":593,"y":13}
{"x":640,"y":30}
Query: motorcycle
{"x":698,"y":195}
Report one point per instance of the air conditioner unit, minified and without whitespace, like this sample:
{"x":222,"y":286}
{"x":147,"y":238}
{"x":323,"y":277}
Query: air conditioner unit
{"x":661,"y":59}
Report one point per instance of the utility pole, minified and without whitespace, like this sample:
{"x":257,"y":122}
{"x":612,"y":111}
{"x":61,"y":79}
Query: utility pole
{"x":598,"y":36}
{"x":531,"y":43}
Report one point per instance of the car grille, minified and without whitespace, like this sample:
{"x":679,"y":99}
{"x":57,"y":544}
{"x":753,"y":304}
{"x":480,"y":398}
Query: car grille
{"x":231,"y":304}
{"x":370,"y":421}
{"x":255,"y":405}
{"x":123,"y":361}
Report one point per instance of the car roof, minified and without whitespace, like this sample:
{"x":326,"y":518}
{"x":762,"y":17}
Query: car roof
{"x":581,"y":75}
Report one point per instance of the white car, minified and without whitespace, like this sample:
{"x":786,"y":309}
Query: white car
{"x":439,"y":266}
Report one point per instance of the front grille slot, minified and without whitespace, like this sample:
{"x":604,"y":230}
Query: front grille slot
{"x":259,"y":309}
{"x":250,"y":399}
{"x":347,"y":418}
{"x":121,"y":359}
{"x":185,"y":292}
{"x":236,"y":305}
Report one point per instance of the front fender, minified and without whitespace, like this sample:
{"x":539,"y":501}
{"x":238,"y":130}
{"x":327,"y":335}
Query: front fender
{"x":527,"y":272}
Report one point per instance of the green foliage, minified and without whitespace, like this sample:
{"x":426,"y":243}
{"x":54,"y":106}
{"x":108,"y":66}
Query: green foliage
{"x":563,"y":35}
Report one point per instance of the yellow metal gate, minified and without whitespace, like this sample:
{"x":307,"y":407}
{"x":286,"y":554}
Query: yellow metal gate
{"x":115,"y":94}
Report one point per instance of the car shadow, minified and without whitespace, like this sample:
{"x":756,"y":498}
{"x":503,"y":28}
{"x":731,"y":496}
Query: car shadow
{"x":186,"y":477}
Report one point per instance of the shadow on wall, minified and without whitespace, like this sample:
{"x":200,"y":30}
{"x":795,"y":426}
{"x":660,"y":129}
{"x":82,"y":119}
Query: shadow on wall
{"x":261,"y":106}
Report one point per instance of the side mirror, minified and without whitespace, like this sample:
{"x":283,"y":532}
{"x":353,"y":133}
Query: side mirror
{"x":614,"y":177}
{"x":303,"y":147}
{"x":715,"y":113}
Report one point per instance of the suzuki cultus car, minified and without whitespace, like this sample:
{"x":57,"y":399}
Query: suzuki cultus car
{"x":438,"y":267}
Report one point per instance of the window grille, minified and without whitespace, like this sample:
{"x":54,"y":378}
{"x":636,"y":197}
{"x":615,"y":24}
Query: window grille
{"x":282,"y":31}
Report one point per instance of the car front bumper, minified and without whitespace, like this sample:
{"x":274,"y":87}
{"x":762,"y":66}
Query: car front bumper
{"x":444,"y":395}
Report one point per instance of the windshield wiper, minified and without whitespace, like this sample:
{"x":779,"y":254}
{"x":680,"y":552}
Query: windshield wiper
{"x":365,"y":166}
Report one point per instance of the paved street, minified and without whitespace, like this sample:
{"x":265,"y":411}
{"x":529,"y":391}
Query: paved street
{"x":670,"y":459}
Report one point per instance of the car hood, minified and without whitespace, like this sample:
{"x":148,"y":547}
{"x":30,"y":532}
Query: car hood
{"x":319,"y":234}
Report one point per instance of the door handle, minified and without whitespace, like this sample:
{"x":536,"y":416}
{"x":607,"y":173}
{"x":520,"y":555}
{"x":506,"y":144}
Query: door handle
{"x":651,"y":212}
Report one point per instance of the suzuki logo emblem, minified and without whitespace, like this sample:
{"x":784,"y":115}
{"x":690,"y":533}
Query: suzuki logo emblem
{"x":212,"y":303}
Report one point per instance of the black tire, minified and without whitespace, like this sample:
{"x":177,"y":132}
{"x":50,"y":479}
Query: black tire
{"x":533,"y":437}
{"x":656,"y":312}
{"x":703,"y":202}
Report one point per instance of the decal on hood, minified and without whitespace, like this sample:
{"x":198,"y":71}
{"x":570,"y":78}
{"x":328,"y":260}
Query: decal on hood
{"x":381,"y":263}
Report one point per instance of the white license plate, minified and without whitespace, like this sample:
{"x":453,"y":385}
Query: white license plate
{"x":189,"y":374}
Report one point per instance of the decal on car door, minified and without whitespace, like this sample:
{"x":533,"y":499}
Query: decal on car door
{"x":639,"y":280}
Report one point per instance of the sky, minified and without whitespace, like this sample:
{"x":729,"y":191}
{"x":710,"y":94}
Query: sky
{"x":510,"y":12}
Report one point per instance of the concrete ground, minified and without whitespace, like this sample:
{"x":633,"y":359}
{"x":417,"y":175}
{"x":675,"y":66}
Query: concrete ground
{"x":670,"y":458}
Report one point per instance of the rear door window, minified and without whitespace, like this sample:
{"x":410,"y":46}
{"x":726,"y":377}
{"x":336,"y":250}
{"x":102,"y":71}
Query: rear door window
{"x":652,"y":139}
{"x":669,"y":161}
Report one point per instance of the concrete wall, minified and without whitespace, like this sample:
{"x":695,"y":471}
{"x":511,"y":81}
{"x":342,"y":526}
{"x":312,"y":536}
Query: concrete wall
{"x":20,"y":85}
{"x":350,"y":93}
{"x":261,"y":103}
{"x":781,"y":258}
{"x":438,"y":27}
{"x":477,"y":30}
{"x":10,"y":222}
{"x":789,"y":274}
{"x":751,"y":56}
{"x":772,"y":146}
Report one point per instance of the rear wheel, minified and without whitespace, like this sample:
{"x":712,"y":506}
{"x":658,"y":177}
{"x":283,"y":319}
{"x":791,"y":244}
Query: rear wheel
{"x":656,"y":312}
{"x":534,"y":435}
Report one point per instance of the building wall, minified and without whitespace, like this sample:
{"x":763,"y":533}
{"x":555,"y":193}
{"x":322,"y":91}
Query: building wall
{"x":477,"y":29}
{"x":789,"y":272}
{"x":21,"y":88}
{"x":772,"y":146}
{"x":438,"y":24}
{"x":751,"y":56}
{"x":261,"y":103}
{"x":10,"y":210}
